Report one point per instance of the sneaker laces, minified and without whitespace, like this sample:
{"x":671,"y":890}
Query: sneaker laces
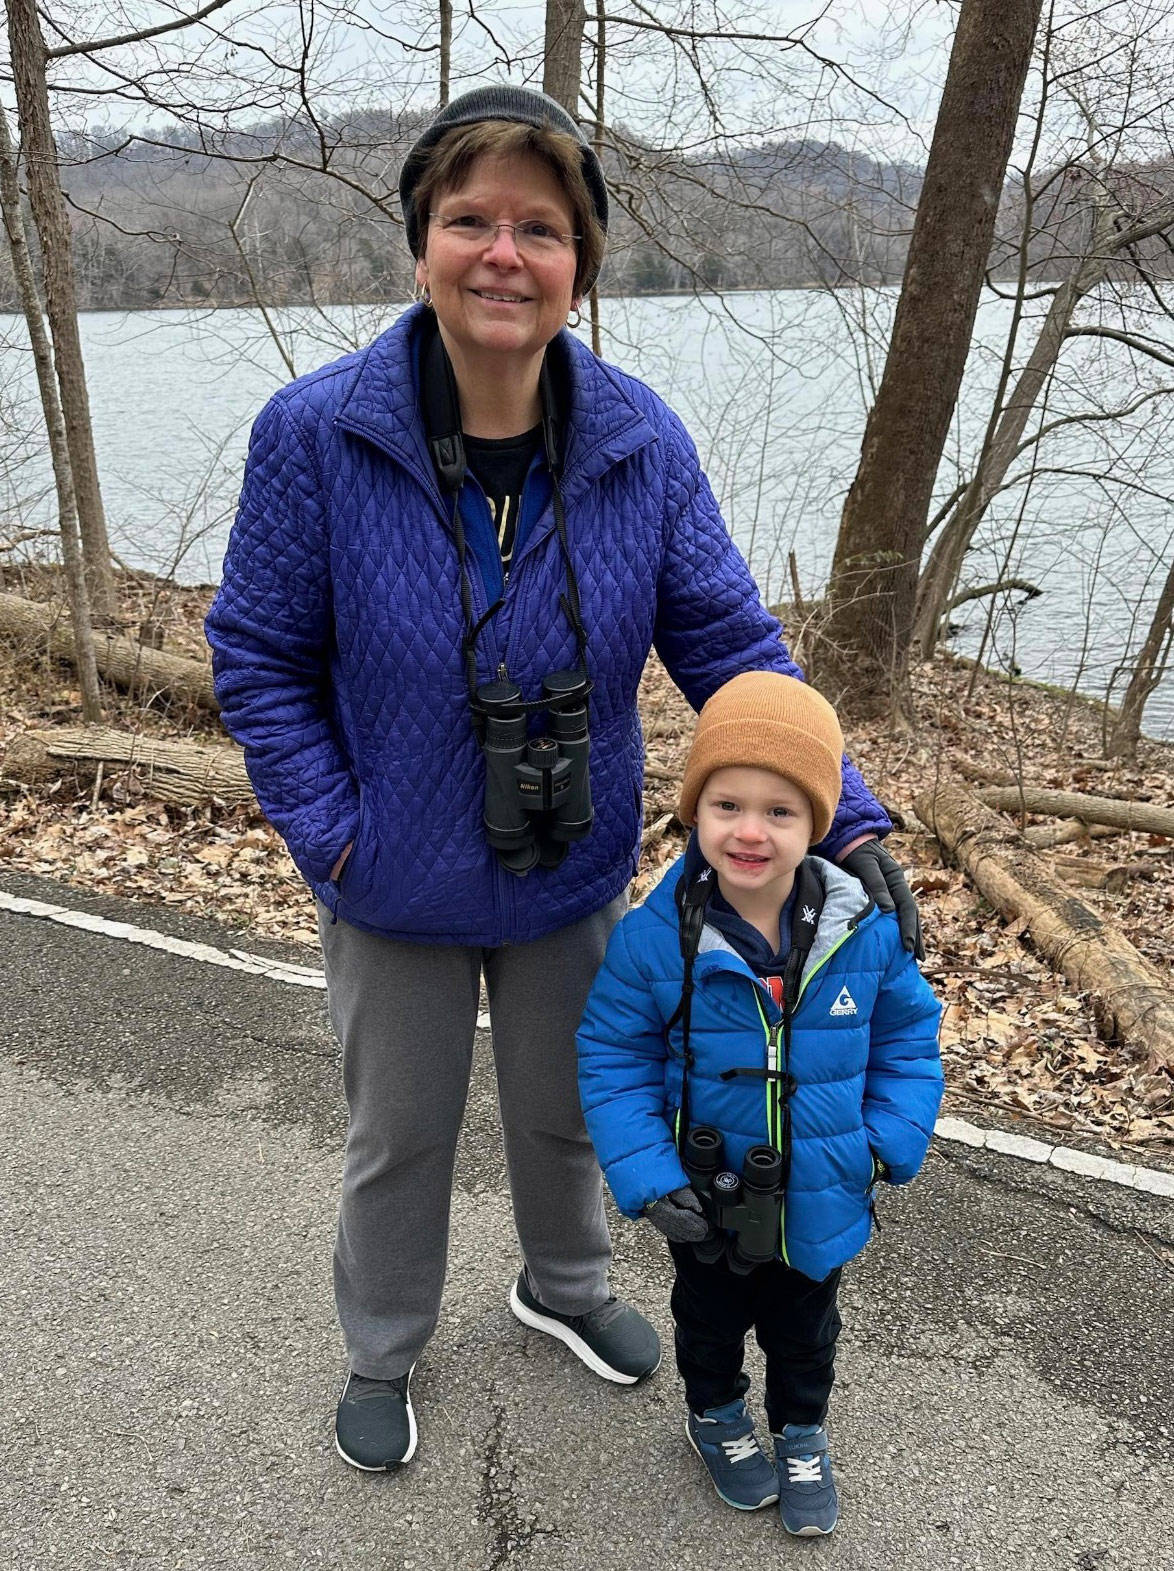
{"x":742,"y":1449}
{"x":364,"y":1388}
{"x":805,"y":1469}
{"x":601,"y":1317}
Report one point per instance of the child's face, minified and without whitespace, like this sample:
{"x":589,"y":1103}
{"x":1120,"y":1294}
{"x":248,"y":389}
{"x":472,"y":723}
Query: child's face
{"x":754,"y":828}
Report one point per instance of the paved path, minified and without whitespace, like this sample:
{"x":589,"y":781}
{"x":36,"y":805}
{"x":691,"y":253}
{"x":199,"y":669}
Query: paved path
{"x":170,"y":1138}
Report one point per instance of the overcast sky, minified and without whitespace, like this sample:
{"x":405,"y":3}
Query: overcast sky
{"x":876,"y":90}
{"x":895,"y":53}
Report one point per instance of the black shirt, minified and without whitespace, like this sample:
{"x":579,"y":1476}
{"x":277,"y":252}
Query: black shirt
{"x":500,"y":466}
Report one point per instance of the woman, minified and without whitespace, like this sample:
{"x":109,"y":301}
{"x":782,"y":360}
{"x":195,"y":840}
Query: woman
{"x":370,"y":640}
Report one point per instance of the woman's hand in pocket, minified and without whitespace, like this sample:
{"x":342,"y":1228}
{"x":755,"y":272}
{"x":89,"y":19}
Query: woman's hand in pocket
{"x":336,"y":870}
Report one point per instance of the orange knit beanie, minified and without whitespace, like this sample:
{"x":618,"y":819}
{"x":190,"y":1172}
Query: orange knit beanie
{"x":769,"y":721}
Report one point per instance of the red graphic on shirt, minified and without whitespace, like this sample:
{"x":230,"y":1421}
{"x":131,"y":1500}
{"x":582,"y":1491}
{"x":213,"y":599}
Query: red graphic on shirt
{"x":774,"y":986}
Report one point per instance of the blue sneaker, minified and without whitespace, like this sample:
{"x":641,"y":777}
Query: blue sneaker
{"x":808,"y":1503}
{"x":724,"y":1439}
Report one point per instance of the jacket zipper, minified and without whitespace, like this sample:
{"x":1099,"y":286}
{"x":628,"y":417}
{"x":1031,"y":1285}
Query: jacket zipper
{"x":501,"y":894}
{"x":775,"y":1035}
{"x":774,"y":1111}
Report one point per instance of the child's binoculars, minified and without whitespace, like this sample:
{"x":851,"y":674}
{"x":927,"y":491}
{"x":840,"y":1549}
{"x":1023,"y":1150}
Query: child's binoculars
{"x":750,"y":1207}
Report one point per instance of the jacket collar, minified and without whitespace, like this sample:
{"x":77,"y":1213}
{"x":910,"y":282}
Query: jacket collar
{"x":602,"y":427}
{"x":846,"y":906}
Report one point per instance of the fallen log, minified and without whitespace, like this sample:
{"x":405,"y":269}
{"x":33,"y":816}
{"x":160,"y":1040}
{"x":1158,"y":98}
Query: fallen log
{"x":656,"y":831}
{"x":1095,"y":875}
{"x":149,"y":672}
{"x":1041,"y":836}
{"x":985,"y":774}
{"x":1131,"y":995}
{"x":1146,"y":817}
{"x":184,"y":773}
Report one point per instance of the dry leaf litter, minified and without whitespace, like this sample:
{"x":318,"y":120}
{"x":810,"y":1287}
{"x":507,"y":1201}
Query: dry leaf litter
{"x":1017,"y":1042}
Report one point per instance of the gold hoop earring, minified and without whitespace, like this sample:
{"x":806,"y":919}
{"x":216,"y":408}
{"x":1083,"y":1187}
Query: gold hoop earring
{"x":424,"y":295}
{"x":578,"y":315}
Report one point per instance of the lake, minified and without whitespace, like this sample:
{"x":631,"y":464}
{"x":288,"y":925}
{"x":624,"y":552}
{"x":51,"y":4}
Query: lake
{"x":773,"y":387}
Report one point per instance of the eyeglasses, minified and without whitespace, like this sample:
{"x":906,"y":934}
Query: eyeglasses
{"x":532,"y":236}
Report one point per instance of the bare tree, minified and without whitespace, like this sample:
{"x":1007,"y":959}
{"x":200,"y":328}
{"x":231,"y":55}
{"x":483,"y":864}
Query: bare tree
{"x":71,"y":551}
{"x":600,"y":99}
{"x":29,"y":67}
{"x":562,"y":64}
{"x":863,"y":643}
{"x":445,"y":51}
{"x":1151,"y":665}
{"x":1115,"y":214}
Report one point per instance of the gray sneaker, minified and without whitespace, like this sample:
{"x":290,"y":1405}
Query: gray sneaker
{"x":614,"y":1341}
{"x":375,"y":1428}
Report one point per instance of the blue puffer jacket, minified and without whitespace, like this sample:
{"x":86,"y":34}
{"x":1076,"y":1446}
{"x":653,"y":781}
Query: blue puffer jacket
{"x":337,"y":636}
{"x":864,"y":1054}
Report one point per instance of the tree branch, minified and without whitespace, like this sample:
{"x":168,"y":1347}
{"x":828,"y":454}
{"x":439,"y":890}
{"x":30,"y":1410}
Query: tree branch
{"x":1139,"y":344}
{"x":134,"y":38}
{"x":1004,"y":586}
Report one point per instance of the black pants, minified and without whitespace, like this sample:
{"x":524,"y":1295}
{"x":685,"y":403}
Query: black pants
{"x":795,"y":1322}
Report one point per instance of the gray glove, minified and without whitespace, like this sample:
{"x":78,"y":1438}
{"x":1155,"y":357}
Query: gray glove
{"x":679,"y":1217}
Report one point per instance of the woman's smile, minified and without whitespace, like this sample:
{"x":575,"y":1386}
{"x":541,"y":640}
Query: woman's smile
{"x":496,"y":303}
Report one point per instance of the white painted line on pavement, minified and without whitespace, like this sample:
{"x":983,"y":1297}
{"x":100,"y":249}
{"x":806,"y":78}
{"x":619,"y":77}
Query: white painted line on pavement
{"x":1149,"y":1179}
{"x":957,"y":1130}
{"x":234,"y":960}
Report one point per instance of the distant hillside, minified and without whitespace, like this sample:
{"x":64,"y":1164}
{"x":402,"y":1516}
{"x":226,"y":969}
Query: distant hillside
{"x":219,"y":219}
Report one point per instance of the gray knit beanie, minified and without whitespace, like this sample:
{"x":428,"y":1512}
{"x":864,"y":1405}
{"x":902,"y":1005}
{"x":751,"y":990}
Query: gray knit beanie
{"x":505,"y":102}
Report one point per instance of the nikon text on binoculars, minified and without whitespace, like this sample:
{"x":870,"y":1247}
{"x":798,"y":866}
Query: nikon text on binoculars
{"x":750,"y":1206}
{"x":537,"y":789}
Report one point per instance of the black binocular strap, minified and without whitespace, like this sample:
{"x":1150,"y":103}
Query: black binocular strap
{"x":472,"y":628}
{"x":441,"y":407}
{"x":570,"y":600}
{"x":691,"y":904}
{"x":809,"y":898}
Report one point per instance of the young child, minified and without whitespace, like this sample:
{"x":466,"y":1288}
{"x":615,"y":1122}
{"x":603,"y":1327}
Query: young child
{"x":781,"y":1009}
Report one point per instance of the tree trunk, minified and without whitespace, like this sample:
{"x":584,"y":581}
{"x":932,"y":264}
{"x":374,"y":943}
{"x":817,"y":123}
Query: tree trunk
{"x":1144,"y":817}
{"x":27,"y":50}
{"x":180,"y":772}
{"x":949,"y":550}
{"x":30,"y":301}
{"x":445,"y":51}
{"x":1147,"y":673}
{"x":864,"y":642}
{"x":597,"y":139}
{"x":562,"y":67}
{"x":149,"y":672}
{"x":1131,"y":994}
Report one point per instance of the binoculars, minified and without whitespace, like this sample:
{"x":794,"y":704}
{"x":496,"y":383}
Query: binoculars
{"x":537,"y":789}
{"x":750,"y":1206}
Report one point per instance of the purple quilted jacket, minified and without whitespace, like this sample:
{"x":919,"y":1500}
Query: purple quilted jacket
{"x":337,"y":631}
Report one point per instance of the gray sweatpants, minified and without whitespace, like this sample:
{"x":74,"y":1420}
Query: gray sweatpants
{"x":405,"y":1015}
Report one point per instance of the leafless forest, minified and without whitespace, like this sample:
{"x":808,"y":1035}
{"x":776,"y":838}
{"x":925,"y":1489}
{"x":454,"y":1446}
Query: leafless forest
{"x":247,"y":154}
